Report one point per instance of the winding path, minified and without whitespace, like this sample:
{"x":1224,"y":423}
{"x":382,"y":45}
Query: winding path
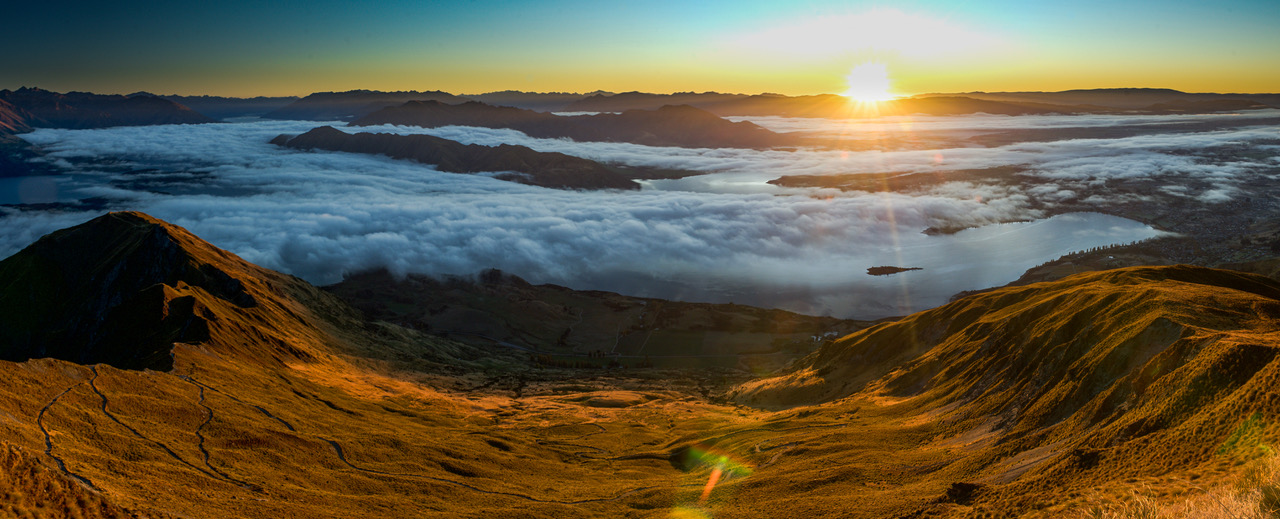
{"x":94,"y":386}
{"x":48,"y":441}
{"x":205,"y":452}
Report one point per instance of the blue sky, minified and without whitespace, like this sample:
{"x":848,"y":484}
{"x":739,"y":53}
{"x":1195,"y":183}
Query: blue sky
{"x":277,"y":48}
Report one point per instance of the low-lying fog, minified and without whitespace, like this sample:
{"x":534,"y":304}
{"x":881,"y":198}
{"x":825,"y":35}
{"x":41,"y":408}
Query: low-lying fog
{"x":722,"y":237}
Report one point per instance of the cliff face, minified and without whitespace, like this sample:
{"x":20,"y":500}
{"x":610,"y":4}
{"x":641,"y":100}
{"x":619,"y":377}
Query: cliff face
{"x":679,"y":126}
{"x":554,"y":170}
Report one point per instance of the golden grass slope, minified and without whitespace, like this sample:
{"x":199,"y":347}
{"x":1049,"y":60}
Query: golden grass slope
{"x":1098,"y":378}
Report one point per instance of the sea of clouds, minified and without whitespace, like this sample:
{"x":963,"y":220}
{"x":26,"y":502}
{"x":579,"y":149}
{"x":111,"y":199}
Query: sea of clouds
{"x":723,"y":236}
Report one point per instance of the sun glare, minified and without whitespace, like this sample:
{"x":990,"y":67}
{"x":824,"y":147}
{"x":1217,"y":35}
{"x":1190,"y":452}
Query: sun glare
{"x":869,"y":82}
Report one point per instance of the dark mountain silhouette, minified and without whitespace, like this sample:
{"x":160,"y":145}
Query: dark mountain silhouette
{"x":1140,"y":100}
{"x":540,"y":101}
{"x":336,"y":106}
{"x":607,"y":102}
{"x":115,"y":290}
{"x":432,"y":114}
{"x":825,"y":105}
{"x":227,"y":107}
{"x":1200,"y":106}
{"x":555,"y":170}
{"x":44,"y":109}
{"x":1150,"y":100}
{"x":682,"y":126}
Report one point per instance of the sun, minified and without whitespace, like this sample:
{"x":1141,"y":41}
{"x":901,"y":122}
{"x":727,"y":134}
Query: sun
{"x":869,"y":82}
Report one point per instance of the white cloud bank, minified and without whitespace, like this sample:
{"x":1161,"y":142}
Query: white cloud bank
{"x":720,"y":237}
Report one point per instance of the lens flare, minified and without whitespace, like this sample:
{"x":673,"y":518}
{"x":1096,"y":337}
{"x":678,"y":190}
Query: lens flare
{"x":723,"y":468}
{"x":869,"y":82}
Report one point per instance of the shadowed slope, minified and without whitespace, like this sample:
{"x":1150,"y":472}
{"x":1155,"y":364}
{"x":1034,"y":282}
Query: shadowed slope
{"x":120,"y":289}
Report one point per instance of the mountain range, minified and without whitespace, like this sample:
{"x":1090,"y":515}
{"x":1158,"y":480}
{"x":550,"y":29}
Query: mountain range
{"x":668,"y":125}
{"x":1126,"y":100}
{"x":25,"y":109}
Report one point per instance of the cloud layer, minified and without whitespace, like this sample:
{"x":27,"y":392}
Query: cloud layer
{"x":726,"y":236}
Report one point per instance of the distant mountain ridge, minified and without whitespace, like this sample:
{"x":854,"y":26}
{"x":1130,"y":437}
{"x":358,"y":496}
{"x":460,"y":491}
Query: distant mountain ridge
{"x":540,"y":101}
{"x":335,"y":106}
{"x":823,"y":105}
{"x":667,"y":125}
{"x":26,"y":109}
{"x":1153,"y":100}
{"x":41,"y":108}
{"x":226,"y":107}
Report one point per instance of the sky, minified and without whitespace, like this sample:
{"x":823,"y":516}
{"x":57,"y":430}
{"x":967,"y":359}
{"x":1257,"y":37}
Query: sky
{"x":248,"y":48}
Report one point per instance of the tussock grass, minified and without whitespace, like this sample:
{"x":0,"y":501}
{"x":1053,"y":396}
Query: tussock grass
{"x":1255,"y":495}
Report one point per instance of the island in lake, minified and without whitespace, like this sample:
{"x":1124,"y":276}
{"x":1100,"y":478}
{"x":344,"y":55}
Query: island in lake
{"x":887,"y":270}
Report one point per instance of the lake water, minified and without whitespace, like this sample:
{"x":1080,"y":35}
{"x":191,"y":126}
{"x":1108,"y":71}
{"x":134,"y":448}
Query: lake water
{"x":971,"y":259}
{"x":30,"y":190}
